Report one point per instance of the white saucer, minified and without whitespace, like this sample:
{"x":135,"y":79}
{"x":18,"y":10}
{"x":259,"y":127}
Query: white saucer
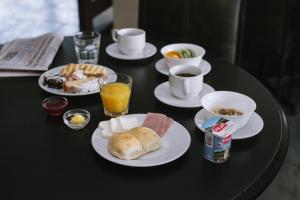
{"x":252,"y":128}
{"x":161,"y":67}
{"x":114,"y":51}
{"x":163,"y":94}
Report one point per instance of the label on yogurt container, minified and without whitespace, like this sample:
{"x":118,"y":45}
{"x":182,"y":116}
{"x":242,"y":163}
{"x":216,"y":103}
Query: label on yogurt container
{"x":218,"y":138}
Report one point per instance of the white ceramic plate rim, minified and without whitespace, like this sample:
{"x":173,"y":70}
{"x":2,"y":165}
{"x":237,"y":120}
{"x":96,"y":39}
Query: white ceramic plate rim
{"x":160,"y":65}
{"x":61,"y":91}
{"x":121,"y":56}
{"x":175,"y":143}
{"x":185,"y":103}
{"x":239,"y":133}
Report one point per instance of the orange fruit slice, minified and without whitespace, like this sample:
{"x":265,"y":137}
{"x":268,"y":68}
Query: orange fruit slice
{"x":173,"y":54}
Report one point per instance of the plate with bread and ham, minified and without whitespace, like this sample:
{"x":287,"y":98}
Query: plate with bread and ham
{"x":73,"y":79}
{"x":141,"y":140}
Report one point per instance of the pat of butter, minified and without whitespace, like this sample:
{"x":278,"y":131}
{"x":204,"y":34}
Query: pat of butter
{"x":77,"y":119}
{"x":116,"y":125}
{"x":104,"y":129}
{"x":128,"y":123}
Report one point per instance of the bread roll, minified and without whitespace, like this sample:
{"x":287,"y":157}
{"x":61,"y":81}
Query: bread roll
{"x":133,"y":143}
{"x":149,"y":139}
{"x":125,"y":146}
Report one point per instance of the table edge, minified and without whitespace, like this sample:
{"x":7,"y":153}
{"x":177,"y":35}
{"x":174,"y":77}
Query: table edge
{"x":258,"y":186}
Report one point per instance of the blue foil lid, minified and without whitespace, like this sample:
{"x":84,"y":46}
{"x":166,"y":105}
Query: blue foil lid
{"x":211,"y":122}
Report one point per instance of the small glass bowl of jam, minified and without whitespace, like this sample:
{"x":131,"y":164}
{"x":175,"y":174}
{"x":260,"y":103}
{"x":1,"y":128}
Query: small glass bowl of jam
{"x":77,"y":118}
{"x":55,"y":105}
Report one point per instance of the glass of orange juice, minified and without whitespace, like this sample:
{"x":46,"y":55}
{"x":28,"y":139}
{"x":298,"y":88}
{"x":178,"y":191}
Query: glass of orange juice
{"x":115,"y":90}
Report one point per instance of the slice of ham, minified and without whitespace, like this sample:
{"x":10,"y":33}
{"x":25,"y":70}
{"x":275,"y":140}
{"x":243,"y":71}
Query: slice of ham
{"x":158,"y":122}
{"x":167,"y":122}
{"x":153,"y":121}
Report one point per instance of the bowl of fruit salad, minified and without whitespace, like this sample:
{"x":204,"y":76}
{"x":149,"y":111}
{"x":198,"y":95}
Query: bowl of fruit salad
{"x":182,"y":54}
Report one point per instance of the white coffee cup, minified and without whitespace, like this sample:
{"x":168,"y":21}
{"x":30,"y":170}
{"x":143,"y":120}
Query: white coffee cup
{"x":130,"y":40}
{"x":185,"y":81}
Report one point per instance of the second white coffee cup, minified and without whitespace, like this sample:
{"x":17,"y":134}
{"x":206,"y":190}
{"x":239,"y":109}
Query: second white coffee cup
{"x":130,"y":40}
{"x":185,"y":81}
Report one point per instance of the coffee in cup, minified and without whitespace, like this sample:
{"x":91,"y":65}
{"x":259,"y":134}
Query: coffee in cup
{"x":185,"y":81}
{"x":130,"y":40}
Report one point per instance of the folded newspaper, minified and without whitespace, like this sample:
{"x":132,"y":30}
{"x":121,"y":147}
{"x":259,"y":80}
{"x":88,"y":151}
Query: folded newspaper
{"x":30,"y":55}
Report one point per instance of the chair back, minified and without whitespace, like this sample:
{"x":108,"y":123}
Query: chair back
{"x":88,"y":10}
{"x":217,"y":25}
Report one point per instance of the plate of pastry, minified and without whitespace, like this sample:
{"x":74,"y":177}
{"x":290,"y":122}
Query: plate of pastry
{"x":73,"y":79}
{"x":141,"y":140}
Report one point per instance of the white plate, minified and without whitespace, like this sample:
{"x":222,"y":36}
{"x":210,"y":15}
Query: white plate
{"x":148,"y":51}
{"x":56,"y":70}
{"x":252,"y":128}
{"x":163,"y":93}
{"x":161,"y":67}
{"x":174,"y":144}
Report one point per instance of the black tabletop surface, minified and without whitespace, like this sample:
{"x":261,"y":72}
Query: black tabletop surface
{"x":41,"y":158}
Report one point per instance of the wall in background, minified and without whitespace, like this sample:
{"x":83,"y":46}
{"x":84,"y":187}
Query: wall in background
{"x":126,"y":13}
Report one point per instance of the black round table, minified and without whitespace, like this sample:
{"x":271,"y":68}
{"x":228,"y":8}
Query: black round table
{"x":41,"y":158}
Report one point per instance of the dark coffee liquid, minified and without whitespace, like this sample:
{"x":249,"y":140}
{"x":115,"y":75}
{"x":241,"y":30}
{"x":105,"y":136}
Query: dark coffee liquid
{"x":186,"y":75}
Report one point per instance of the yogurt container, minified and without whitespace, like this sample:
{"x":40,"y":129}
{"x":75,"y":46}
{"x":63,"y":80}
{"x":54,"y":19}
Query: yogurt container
{"x":218,"y":138}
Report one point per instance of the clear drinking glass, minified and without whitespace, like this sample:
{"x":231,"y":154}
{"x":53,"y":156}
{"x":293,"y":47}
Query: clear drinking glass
{"x":87,"y":46}
{"x":115,"y":91}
